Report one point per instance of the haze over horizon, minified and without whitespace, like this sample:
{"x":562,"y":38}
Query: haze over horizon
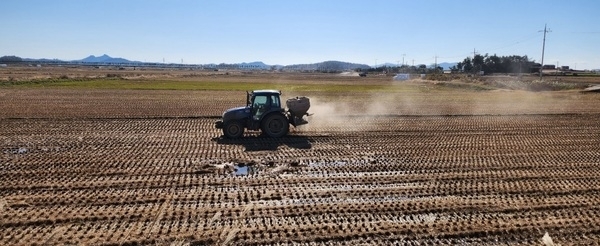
{"x":302,"y":32}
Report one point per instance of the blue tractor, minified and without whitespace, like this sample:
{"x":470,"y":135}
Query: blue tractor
{"x":264,"y":111}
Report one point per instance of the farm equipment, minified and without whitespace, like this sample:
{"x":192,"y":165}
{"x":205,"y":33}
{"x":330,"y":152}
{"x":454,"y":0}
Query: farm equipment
{"x":264,"y":111}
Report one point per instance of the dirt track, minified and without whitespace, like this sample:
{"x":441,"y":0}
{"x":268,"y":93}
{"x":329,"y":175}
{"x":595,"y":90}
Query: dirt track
{"x":157,"y":178}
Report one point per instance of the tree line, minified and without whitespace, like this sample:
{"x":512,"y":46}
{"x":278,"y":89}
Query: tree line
{"x":474,"y":65}
{"x":496,"y":64}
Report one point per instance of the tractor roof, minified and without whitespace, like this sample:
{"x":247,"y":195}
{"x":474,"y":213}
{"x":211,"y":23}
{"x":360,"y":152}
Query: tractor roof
{"x":255,"y":92}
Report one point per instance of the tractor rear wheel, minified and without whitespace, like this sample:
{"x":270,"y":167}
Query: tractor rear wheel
{"x":275,"y":125}
{"x":233,"y":129}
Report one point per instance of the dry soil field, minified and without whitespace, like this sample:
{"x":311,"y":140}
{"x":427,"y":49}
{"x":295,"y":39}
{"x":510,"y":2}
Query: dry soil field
{"x":413,"y":164}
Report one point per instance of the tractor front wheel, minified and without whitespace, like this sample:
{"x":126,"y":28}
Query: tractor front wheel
{"x":275,"y":125}
{"x":233,"y":129}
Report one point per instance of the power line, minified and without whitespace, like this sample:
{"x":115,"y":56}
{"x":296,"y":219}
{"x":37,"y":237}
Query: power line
{"x":586,"y":32}
{"x":515,"y":42}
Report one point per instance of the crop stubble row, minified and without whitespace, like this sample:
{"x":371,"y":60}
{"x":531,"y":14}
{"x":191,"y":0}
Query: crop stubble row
{"x":457,"y":179}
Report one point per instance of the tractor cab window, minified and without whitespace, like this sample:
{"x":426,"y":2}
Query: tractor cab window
{"x":259,"y":106}
{"x":275,"y":101}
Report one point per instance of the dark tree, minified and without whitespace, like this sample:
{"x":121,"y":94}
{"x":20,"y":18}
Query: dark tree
{"x":495,"y":64}
{"x":478,"y":62}
{"x":10,"y":59}
{"x":466,"y":65}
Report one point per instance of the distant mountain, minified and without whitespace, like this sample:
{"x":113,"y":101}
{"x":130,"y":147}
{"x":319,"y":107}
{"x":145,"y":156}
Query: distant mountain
{"x":104,"y":59}
{"x":387,"y":64}
{"x":327,"y":66}
{"x":41,"y":60}
{"x":255,"y":65}
{"x":446,"y":65}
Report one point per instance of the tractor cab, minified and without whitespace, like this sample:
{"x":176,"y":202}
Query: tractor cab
{"x":263,"y":101}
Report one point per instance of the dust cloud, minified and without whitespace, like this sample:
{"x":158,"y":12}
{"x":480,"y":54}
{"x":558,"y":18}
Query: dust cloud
{"x":351,"y":114}
{"x":360,"y":111}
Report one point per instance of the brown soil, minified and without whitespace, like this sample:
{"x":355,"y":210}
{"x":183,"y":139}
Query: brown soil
{"x":148,"y":167}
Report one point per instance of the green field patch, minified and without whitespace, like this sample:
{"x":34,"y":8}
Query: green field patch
{"x":161,"y":84}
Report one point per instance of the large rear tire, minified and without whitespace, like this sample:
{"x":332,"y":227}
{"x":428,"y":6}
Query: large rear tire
{"x":233,"y":129}
{"x":275,"y":125}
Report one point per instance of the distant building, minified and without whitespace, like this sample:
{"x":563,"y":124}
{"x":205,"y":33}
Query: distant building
{"x":549,"y":67}
{"x":402,"y":76}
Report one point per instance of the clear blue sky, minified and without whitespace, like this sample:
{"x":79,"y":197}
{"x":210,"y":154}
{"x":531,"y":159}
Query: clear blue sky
{"x":296,"y":32}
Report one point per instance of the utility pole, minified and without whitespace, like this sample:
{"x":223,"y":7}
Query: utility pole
{"x":556,"y":72}
{"x":543,"y":50}
{"x":473,"y":62}
{"x":435,"y":66}
{"x":403,"y":55}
